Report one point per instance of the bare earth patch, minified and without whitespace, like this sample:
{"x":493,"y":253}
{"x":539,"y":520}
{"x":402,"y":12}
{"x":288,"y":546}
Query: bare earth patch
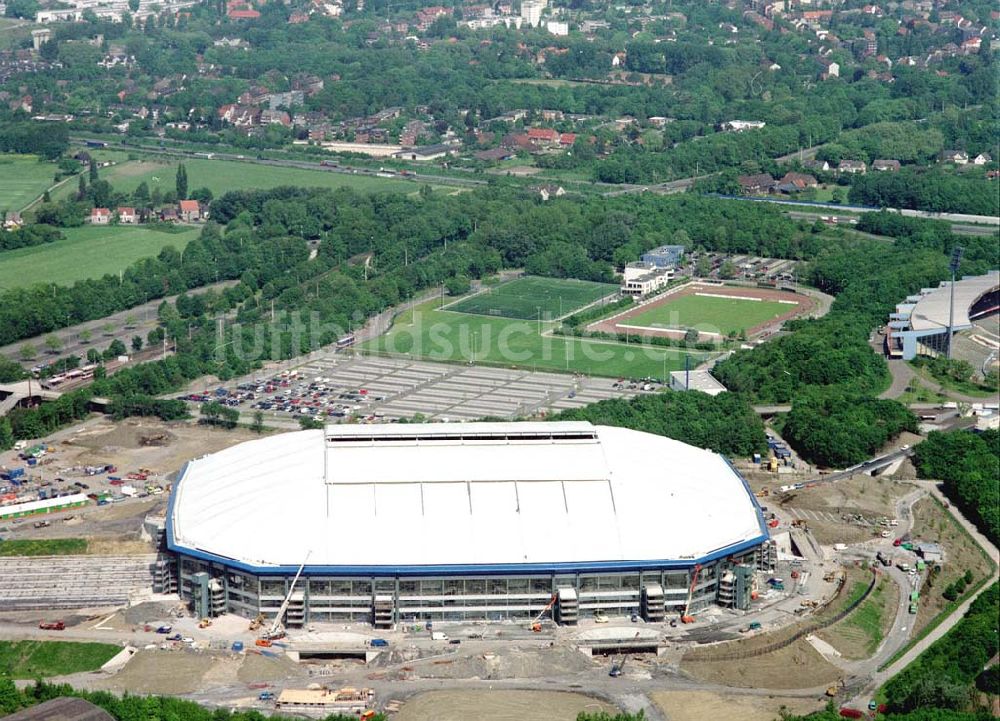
{"x":708,"y":706}
{"x":494,"y":705}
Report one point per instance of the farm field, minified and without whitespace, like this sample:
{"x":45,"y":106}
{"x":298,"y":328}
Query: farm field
{"x":718,"y":315}
{"x":530,"y":298}
{"x":86,"y":252}
{"x":39,"y":659}
{"x":221,"y":176}
{"x":22,"y":179}
{"x":441,"y":335}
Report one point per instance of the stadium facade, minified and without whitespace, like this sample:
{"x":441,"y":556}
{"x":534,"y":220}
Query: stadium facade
{"x":919,"y":325}
{"x":399,"y":522}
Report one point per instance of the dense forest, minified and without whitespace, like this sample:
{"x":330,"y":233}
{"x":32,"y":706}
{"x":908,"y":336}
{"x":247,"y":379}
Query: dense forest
{"x":724,"y":423}
{"x":969,"y":465}
{"x":835,"y":430}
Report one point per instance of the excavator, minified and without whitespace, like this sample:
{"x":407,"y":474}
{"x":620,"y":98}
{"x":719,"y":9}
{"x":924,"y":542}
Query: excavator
{"x":536,"y":622}
{"x":686,"y":617}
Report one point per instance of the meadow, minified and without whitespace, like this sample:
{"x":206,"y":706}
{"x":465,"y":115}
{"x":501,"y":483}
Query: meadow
{"x":86,"y":252}
{"x":40,"y":659}
{"x":22,"y":179}
{"x":431,"y":333}
{"x":220,"y":176}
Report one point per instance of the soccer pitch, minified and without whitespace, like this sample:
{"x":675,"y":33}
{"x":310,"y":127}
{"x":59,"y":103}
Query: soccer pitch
{"x":533,"y":297}
{"x":432,"y":334}
{"x":710,"y":314}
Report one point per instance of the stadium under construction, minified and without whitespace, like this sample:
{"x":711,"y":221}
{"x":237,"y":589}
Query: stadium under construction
{"x":472,"y":521}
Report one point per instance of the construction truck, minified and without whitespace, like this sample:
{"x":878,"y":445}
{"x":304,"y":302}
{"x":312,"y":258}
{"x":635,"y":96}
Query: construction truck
{"x":617,"y":668}
{"x":257,"y":622}
{"x":204,"y":623}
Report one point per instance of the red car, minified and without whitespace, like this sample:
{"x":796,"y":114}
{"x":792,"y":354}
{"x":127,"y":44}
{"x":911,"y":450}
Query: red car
{"x":898,"y":542}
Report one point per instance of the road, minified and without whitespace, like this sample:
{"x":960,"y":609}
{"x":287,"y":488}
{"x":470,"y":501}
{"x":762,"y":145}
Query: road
{"x":879,"y":678}
{"x":121,"y":326}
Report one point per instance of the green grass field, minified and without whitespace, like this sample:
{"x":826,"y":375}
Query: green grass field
{"x":22,"y":179}
{"x":33,"y":659}
{"x":719,"y":315}
{"x":221,"y":176}
{"x":441,"y":335}
{"x":86,"y":252}
{"x":44,"y":547}
{"x":526,"y":298}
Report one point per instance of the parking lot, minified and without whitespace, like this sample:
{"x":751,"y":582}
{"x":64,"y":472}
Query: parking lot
{"x":373,"y":389}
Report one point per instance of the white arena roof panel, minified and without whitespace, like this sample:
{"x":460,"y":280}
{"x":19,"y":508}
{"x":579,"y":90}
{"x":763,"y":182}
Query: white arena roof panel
{"x":486,"y":497}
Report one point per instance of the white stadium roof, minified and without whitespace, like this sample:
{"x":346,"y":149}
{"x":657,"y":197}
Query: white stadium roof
{"x":461,"y":498}
{"x":932,"y":309}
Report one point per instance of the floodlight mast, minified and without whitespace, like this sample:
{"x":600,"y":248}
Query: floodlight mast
{"x":956,"y":260}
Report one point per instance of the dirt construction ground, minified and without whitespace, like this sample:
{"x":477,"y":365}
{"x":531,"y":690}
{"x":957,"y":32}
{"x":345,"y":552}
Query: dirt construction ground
{"x":707,"y":706}
{"x":499,"y":706}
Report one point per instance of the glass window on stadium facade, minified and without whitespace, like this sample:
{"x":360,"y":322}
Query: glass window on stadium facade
{"x":339,"y":599}
{"x":495,"y":598}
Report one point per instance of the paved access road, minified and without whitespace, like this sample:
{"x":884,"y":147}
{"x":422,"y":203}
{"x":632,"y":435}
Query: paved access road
{"x":879,"y":678}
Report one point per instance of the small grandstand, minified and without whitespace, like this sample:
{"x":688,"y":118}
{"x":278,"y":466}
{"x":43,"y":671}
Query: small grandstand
{"x":919,"y":325}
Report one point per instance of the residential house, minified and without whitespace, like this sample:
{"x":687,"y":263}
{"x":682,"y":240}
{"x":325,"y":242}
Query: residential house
{"x":982,"y":159}
{"x":127,"y":215}
{"x":754,"y":184}
{"x":543,"y":136}
{"x":100,"y":216}
{"x":738,"y":126}
{"x":854,"y":167}
{"x":813,"y":164}
{"x":494,"y":155}
{"x":958,"y":157}
{"x":13,"y":220}
{"x":883,"y":165}
{"x":795,"y":183}
{"x":190,"y":211}
{"x":803,"y":180}
{"x":550,"y":191}
{"x":169,"y":215}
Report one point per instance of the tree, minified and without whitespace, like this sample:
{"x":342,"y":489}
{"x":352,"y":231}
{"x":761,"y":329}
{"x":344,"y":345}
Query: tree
{"x":308,"y":423}
{"x":691,"y":335}
{"x":133,"y":5}
{"x":53,"y":343}
{"x":136,"y":343}
{"x":727,"y":269}
{"x":6,"y":434}
{"x":703,"y":267}
{"x":93,"y":355}
{"x":28,"y":351}
{"x":182,"y":182}
{"x":81,"y":188}
{"x":258,"y":422}
{"x":130,"y":320}
{"x":93,"y":171}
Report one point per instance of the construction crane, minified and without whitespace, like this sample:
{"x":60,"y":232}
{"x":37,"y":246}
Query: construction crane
{"x":686,"y":617}
{"x":617,"y":667}
{"x":536,"y":624}
{"x":276,"y":629}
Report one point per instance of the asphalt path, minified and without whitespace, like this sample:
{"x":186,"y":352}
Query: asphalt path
{"x":122,"y":325}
